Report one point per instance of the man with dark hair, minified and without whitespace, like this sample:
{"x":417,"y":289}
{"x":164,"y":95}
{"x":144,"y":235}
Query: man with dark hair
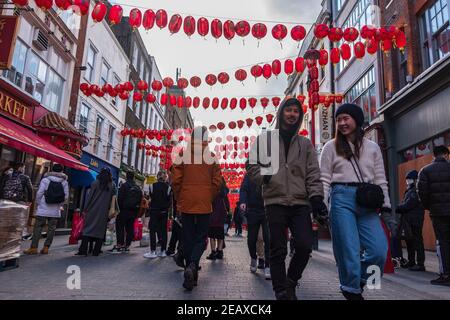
{"x":434,"y":192}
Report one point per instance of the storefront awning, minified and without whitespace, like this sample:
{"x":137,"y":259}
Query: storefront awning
{"x":23,"y":139}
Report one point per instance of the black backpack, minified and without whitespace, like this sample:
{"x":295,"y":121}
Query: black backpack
{"x":133,"y":198}
{"x":55,"y":193}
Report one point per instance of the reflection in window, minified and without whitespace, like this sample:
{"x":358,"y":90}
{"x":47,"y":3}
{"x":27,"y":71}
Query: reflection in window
{"x":15,"y":74}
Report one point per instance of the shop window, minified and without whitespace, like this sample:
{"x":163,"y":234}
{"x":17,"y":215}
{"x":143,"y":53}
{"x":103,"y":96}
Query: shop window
{"x":424,"y":149}
{"x":35,"y":77}
{"x":54,"y":93}
{"x":15,"y":74}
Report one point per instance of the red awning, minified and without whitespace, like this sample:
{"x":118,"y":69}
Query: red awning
{"x":23,"y":139}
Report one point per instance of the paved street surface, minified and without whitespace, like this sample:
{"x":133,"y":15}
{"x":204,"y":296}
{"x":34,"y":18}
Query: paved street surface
{"x":130,"y":276}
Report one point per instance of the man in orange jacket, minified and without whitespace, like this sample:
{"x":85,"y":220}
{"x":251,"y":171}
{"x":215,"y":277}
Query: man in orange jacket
{"x":196,"y":181}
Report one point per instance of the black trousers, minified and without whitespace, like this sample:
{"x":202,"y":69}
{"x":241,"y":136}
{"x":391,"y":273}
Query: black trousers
{"x":125,"y":229}
{"x":158,"y":226}
{"x":194,"y":236}
{"x":256,"y":221}
{"x":298,"y":220}
{"x":89,"y":241}
{"x":441,"y":226}
{"x":175,"y":237}
{"x":416,"y":250}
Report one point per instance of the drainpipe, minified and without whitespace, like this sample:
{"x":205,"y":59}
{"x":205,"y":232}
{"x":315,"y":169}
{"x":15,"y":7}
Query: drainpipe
{"x":332,"y":75}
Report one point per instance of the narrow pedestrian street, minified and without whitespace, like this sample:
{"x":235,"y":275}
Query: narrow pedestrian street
{"x":131,"y":277}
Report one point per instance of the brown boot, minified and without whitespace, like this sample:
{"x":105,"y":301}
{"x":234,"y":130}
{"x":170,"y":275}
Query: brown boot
{"x":44,"y":250}
{"x":31,"y":251}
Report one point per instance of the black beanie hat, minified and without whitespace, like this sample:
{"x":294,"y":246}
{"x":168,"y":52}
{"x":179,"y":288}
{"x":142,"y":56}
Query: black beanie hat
{"x":352,"y":110}
{"x":292,"y":102}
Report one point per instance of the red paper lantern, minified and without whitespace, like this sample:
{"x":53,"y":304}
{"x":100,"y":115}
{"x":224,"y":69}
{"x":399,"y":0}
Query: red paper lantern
{"x":221,"y":126}
{"x":252,"y":102}
{"x":259,"y":30}
{"x":224,"y":103}
{"x":175,"y":23}
{"x":314,"y":73}
{"x":240,"y":124}
{"x":367,"y":32}
{"x":256,"y":71}
{"x":300,"y":65}
{"x":188,"y":102}
{"x":168,"y":82}
{"x":241,"y":75}
{"x":44,"y":4}
{"x":229,"y":30}
{"x":360,"y":50}
{"x":242,"y":28}
{"x":223,"y":78}
{"x":20,"y":3}
{"x":173,"y":100}
{"x":128,"y":86}
{"x":351,"y":34}
{"x":195,"y":82}
{"x":233,"y":103}
{"x":279,"y":32}
{"x":400,"y":40}
{"x":137,"y":96}
{"x":216,"y":28}
{"x":289,"y":66}
{"x":189,"y":26}
{"x":81,"y":7}
{"x":267,"y":71}
{"x":203,"y":26}
{"x":249,"y":122}
{"x":304,"y":108}
{"x":107,"y":88}
{"x":315,"y":98}
{"x":243,"y":103}
{"x":346,"y":52}
{"x":156,"y":85}
{"x":211,"y":79}
{"x":161,"y":18}
{"x":269,"y":118}
{"x":264,"y":102}
{"x":124,"y":95}
{"x":386,"y":45}
{"x":335,"y":56}
{"x":206,"y":102}
{"x":276,"y":67}
{"x":321,"y":31}
{"x":142,"y":85}
{"x":84,"y":86}
{"x":298,"y":33}
{"x":301,"y":98}
{"x":148,"y":20}
{"x":314,"y":86}
{"x":196,"y":102}
{"x":180,"y":102}
{"x":372,"y":46}
{"x":276,"y":101}
{"x":150,"y":98}
{"x":62,"y":4}
{"x":335,"y":34}
{"x":232,"y":125}
{"x":215,"y":103}
{"x":182,"y":83}
{"x":164,"y":99}
{"x":115,"y":14}
{"x":323,"y":60}
{"x":98,"y":12}
{"x":135,"y":19}
{"x":339,"y":98}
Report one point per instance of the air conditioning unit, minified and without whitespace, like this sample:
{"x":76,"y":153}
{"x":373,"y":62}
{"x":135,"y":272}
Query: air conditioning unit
{"x":40,"y":41}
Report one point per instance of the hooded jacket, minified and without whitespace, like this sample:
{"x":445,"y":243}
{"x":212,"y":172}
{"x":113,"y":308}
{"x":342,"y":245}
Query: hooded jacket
{"x":287,"y":181}
{"x":195,"y":186}
{"x":43,"y":208}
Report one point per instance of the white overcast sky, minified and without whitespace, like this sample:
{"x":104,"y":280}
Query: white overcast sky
{"x":197,"y":56}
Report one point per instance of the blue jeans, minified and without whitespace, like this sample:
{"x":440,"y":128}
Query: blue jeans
{"x":358,"y":238}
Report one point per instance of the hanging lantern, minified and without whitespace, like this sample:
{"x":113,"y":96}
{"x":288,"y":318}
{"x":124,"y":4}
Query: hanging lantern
{"x":360,"y":50}
{"x":82,"y":7}
{"x":215,"y":103}
{"x":216,"y":28}
{"x":115,"y":14}
{"x":224,"y":103}
{"x":233,"y":103}
{"x":241,"y":75}
{"x":256,"y":71}
{"x":335,"y":56}
{"x":148,"y":20}
{"x":107,"y":88}
{"x":367,"y":32}
{"x":20,"y":3}
{"x":182,"y":83}
{"x":240,"y":124}
{"x":259,"y":120}
{"x":276,"y":102}
{"x":232,"y":125}
{"x":259,"y":31}
{"x":161,"y":18}
{"x":61,"y":4}
{"x":351,"y":34}
{"x":339,"y":98}
{"x":221,"y":126}
{"x":150,"y":98}
{"x":252,"y":102}
{"x":168,"y":82}
{"x":128,"y":86}
{"x":249,"y":122}
{"x":175,"y":23}
{"x":276,"y":67}
{"x":314,"y":86}
{"x":180,"y":102}
{"x":137,"y":96}
{"x":321,"y":31}
{"x":304,"y":108}
{"x":229,"y":30}
{"x":44,"y":4}
{"x":279,"y":32}
{"x":98,"y":12}
{"x":189,"y":26}
{"x":372,"y":46}
{"x":206,"y":102}
{"x":335,"y":34}
{"x":264,"y":102}
{"x":242,"y":28}
{"x":142,"y":85}
{"x":223,"y":78}
{"x":315,"y":98}
{"x":156,"y":85}
{"x":400,"y":40}
{"x":195,"y":82}
{"x":388,"y":32}
{"x":301,"y":98}
{"x":323,"y":60}
{"x":188,"y":102}
{"x":267,"y":71}
{"x":346,"y":52}
{"x":243,"y":104}
{"x":211,"y":79}
{"x":288,"y":66}
{"x":386,"y":46}
{"x":173,"y":100}
{"x":269,"y":118}
{"x":196,"y":102}
{"x":135,"y":19}
{"x":164,"y":99}
{"x":203,"y":26}
{"x":298,"y":33}
{"x":300,"y":65}
{"x":314,"y":73}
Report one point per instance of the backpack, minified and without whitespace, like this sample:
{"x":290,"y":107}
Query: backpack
{"x":55,"y":193}
{"x":133,"y":198}
{"x":13,"y":189}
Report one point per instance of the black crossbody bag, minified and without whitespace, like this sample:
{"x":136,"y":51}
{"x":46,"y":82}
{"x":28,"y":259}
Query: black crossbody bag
{"x":368,"y":195}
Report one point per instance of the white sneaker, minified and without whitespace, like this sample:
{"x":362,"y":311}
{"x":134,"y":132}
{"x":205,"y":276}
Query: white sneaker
{"x":150,"y":255}
{"x":162,"y":254}
{"x":254,"y":265}
{"x":267,"y":274}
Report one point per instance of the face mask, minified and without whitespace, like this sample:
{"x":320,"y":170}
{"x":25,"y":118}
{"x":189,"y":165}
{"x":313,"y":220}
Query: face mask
{"x":409,"y":182}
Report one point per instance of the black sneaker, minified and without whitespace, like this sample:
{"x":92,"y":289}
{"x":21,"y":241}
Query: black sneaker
{"x":179,"y":260}
{"x":212,"y":256}
{"x":27,"y":237}
{"x":189,"y":277}
{"x":170,"y":253}
{"x":116,"y":250}
{"x":352,"y":296}
{"x":443,"y":280}
{"x":290,"y":289}
{"x":417,"y":267}
{"x":283,"y":295}
{"x":261,"y":264}
{"x":219,"y":255}
{"x":126,"y":250}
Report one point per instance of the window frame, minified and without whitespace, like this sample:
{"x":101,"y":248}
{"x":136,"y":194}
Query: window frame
{"x":110,"y":144}
{"x":90,"y":68}
{"x":98,"y":133}
{"x":108,"y":67}
{"x":84,"y":125}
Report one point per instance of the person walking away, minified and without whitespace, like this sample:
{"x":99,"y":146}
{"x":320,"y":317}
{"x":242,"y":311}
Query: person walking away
{"x":53,"y":192}
{"x":250,"y":197}
{"x":237,"y":219}
{"x":346,"y":162}
{"x":160,"y":194}
{"x":291,"y":188}
{"x":434,"y":192}
{"x":413,"y":214}
{"x":216,"y":233}
{"x":129,"y":199}
{"x":196,"y":181}
{"x":16,"y":186}
{"x":100,"y":201}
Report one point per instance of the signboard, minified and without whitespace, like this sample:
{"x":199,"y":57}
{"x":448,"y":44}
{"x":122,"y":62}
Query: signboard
{"x":8,"y":33}
{"x":326,"y":124}
{"x":15,"y":109}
